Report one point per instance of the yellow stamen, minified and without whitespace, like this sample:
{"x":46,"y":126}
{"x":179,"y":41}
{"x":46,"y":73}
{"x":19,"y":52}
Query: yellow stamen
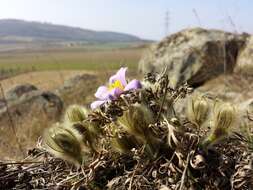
{"x":116,"y":84}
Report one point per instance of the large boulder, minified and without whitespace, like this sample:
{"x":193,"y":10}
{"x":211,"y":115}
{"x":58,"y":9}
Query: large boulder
{"x":245,"y":59}
{"x":35,"y":101}
{"x":194,"y":55}
{"x":2,"y":103}
{"x":24,"y":118}
{"x":79,"y":89}
{"x":19,"y":90}
{"x":247,"y":109}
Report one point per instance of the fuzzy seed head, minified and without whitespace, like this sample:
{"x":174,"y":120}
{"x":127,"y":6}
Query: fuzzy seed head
{"x":198,"y":109}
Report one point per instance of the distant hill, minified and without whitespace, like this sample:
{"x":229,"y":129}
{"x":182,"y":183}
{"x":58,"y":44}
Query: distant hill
{"x":12,"y":31}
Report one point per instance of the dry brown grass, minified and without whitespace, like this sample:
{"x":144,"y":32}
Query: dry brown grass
{"x":44,"y":80}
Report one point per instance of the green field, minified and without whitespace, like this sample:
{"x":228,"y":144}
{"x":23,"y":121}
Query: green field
{"x":12,"y":63}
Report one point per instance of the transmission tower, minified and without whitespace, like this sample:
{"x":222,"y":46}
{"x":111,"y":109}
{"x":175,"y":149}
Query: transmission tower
{"x":167,"y":22}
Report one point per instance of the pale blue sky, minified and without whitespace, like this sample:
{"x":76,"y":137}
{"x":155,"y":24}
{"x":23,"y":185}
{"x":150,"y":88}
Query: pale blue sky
{"x":145,"y":18}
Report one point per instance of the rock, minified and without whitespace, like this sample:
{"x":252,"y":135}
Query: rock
{"x":33,"y":102}
{"x":245,"y":59}
{"x":233,"y":88}
{"x":26,"y":97}
{"x":19,"y":90}
{"x":76,"y":81}
{"x":250,"y":107}
{"x":229,"y":88}
{"x":193,"y":55}
{"x":2,"y":103}
{"x":78,"y":89}
{"x":247,"y":108}
{"x":24,"y":120}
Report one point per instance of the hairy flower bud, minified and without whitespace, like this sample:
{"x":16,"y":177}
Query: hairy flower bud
{"x":124,"y":143}
{"x":63,"y":143}
{"x":224,"y":115}
{"x":76,"y":113}
{"x":89,"y":135}
{"x":198,"y":110}
{"x":223,"y":119}
{"x":136,"y":120}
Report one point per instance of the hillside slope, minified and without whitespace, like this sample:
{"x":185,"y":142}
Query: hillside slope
{"x":12,"y":30}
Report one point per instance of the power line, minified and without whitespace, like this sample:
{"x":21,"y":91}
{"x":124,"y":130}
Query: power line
{"x":197,"y":16}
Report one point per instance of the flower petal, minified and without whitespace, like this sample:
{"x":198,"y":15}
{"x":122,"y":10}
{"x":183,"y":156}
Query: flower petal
{"x":102,"y":93}
{"x":115,"y":93}
{"x":96,"y":104}
{"x":133,"y":84}
{"x":120,"y":75}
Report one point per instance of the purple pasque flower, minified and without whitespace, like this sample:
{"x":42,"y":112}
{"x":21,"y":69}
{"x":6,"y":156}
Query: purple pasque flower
{"x":117,"y":85}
